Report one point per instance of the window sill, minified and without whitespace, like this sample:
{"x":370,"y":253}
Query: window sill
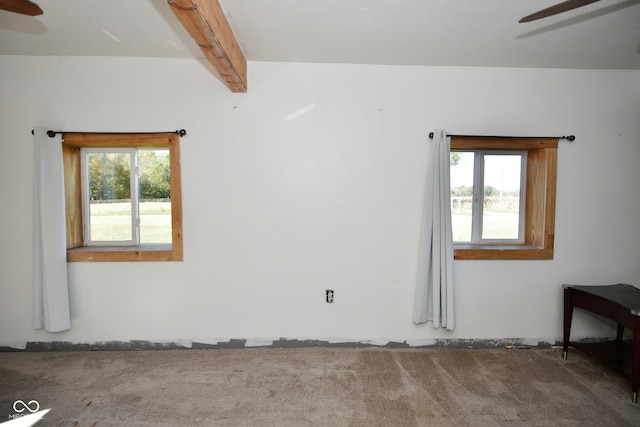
{"x":501,"y":252}
{"x":123,"y":253}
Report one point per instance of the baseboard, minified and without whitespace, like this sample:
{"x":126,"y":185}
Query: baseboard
{"x":137,"y":345}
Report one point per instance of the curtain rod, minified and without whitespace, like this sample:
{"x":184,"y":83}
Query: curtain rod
{"x":569,"y":138}
{"x":52,"y":133}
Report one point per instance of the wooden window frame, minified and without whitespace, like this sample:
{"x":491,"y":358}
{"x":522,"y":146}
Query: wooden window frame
{"x":76,"y":252}
{"x":540,"y":203}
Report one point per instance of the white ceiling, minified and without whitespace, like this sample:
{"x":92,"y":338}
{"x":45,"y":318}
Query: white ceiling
{"x":603,"y":35}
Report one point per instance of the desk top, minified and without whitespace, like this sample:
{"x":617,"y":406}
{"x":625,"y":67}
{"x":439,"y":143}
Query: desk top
{"x":627,"y":296}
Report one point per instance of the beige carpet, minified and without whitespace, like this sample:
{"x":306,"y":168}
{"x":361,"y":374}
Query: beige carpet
{"x":317,"y":387}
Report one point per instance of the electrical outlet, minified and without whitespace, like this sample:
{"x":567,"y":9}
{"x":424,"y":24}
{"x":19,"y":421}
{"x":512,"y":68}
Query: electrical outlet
{"x":329,"y":294}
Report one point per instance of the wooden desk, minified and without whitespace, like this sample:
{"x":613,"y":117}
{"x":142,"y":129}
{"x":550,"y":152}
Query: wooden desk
{"x":619,"y":303}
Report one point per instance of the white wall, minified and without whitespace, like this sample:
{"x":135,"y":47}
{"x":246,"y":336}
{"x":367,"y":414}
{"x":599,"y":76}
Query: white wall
{"x":314,"y":180}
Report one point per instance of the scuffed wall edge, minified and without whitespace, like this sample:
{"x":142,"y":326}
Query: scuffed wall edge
{"x":276,"y":343}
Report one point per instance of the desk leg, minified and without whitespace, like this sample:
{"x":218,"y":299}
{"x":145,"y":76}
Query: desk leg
{"x":635,"y":369}
{"x":619,"y":335}
{"x":568,"y":314}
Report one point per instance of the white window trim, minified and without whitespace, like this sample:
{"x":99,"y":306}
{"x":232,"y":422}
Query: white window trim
{"x":86,"y":200}
{"x":478,"y":198}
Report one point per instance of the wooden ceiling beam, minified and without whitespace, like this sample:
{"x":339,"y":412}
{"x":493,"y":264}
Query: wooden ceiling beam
{"x":204,"y":20}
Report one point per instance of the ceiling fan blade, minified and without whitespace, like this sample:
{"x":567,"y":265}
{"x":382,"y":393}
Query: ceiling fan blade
{"x":23,"y":7}
{"x":558,"y":8}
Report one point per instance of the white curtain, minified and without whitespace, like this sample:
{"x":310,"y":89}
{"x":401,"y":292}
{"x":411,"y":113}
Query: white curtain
{"x":434,"y":300}
{"x":50,"y":282}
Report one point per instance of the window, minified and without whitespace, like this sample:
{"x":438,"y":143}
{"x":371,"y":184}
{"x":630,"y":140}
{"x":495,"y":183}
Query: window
{"x":486,"y":196}
{"x":123,"y":197}
{"x":503,"y":197}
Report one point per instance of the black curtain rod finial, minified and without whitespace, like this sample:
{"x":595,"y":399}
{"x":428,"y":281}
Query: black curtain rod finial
{"x":50,"y":133}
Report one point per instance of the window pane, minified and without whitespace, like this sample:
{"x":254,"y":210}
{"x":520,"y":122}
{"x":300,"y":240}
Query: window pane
{"x":110,"y":192}
{"x":461,"y":194}
{"x":155,"y":196}
{"x":501,"y":213}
